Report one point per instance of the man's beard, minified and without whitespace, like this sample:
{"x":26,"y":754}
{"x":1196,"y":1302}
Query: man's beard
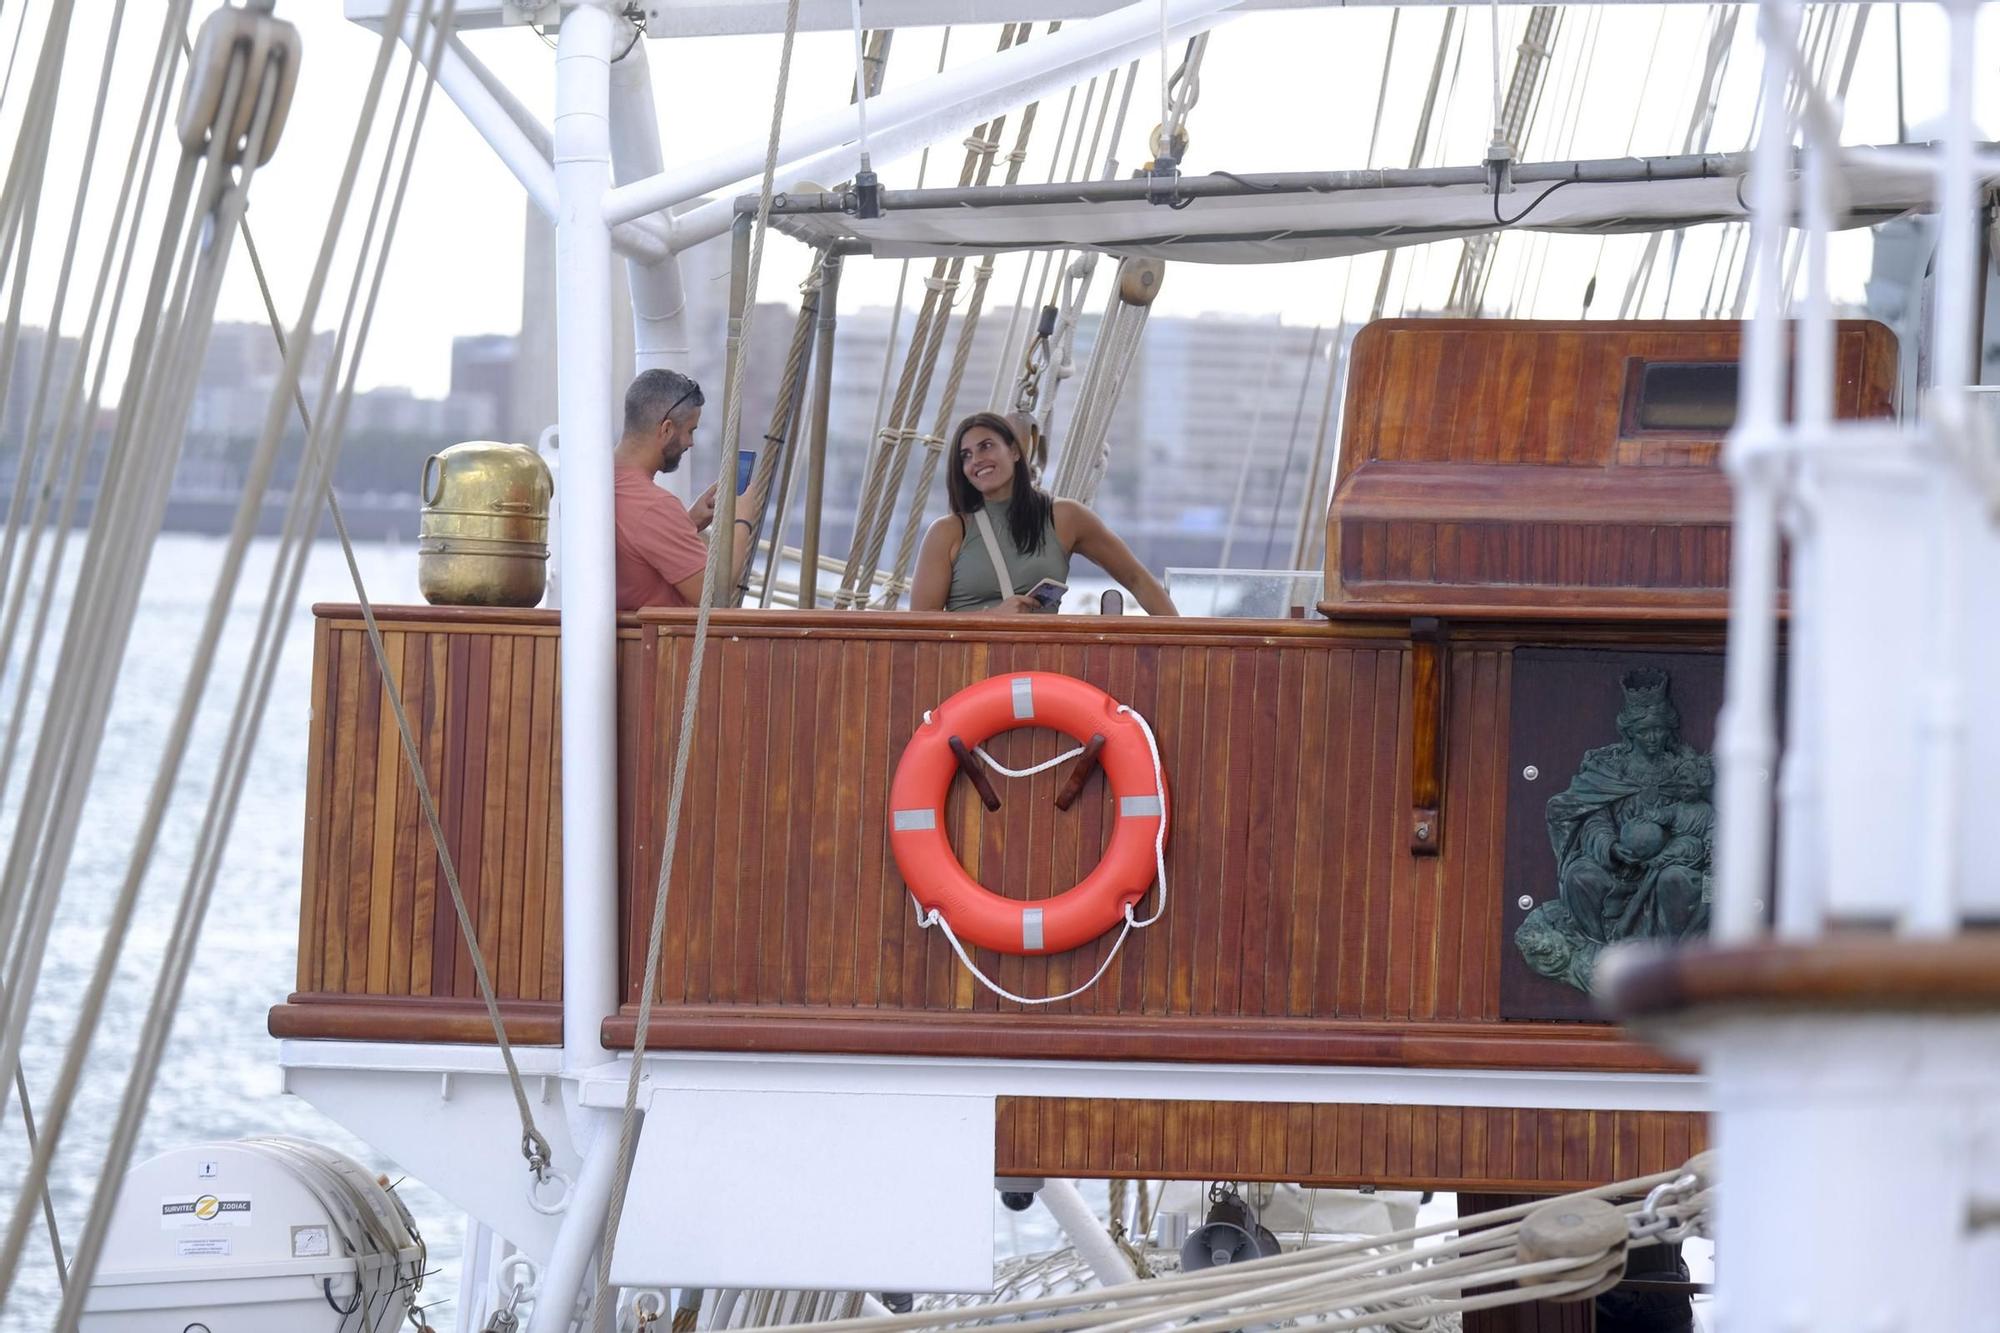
{"x":673,"y":462}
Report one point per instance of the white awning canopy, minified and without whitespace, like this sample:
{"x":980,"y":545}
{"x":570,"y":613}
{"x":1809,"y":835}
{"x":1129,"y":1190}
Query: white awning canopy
{"x":1227,"y":219}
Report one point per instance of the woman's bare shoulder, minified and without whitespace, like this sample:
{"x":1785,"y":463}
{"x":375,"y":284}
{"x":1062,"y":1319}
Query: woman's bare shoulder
{"x":1073,"y":518}
{"x":946,"y":532}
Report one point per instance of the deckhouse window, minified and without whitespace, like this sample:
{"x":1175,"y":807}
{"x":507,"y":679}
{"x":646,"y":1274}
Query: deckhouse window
{"x":1684,"y":398}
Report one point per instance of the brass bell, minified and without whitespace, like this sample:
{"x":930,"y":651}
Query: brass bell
{"x":484,"y":536}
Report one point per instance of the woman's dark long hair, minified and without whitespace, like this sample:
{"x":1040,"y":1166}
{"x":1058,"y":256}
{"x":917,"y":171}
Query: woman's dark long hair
{"x":1028,"y":507}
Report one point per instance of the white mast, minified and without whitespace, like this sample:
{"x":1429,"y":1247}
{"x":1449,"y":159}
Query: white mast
{"x":1854,"y":1057}
{"x":589,"y":623}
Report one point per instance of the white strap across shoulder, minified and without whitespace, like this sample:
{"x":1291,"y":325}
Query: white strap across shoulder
{"x":1006,"y":579}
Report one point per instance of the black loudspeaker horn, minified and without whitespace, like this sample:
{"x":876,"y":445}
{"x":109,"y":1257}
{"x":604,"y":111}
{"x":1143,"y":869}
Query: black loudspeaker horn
{"x":1229,"y":1235}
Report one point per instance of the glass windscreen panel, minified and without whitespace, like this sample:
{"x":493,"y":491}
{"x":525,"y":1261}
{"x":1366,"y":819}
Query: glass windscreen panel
{"x":1257,"y":594}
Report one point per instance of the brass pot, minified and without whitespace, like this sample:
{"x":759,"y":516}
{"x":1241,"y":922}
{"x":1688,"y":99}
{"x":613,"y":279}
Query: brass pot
{"x":484,"y":537}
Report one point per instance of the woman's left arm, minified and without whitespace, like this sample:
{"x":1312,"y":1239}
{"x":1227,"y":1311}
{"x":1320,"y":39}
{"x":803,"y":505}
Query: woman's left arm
{"x":1097,"y":543}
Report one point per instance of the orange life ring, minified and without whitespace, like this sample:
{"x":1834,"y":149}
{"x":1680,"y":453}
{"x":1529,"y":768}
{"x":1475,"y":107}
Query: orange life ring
{"x":924,"y":853}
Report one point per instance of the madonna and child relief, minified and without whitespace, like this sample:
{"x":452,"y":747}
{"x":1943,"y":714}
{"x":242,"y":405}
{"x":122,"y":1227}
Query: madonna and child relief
{"x":1633,"y":836}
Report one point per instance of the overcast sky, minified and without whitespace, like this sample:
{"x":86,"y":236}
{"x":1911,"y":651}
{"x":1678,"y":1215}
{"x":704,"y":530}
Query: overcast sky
{"x":1280,"y":91}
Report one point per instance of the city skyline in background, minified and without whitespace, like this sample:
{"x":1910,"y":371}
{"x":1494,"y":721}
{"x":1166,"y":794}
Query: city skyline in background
{"x":1312,"y":89}
{"x":1223,"y":419}
{"x":1189,"y":436}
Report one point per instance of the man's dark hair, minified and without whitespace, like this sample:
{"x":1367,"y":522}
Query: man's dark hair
{"x":656,"y":395}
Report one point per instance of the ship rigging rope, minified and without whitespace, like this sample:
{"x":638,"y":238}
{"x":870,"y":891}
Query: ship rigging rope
{"x":10,"y":889}
{"x":1359,"y":1280}
{"x":781,"y":436}
{"x":860,"y":85}
{"x":72,"y":483}
{"x":902,"y":279}
{"x":1002,"y":372}
{"x":76,"y":708}
{"x":534,"y":1146}
{"x":1313,"y":504}
{"x":892,"y":441}
{"x":67,"y":445}
{"x":20,"y":201}
{"x":21,"y":26}
{"x":312,"y":483}
{"x":787,"y":416}
{"x":720,"y":552}
{"x":1058,"y":351}
{"x":1313,"y":353}
{"x":48,"y":1204}
{"x":968,"y":325}
{"x":819,"y":289}
{"x":1087,"y":442}
{"x":1700,"y":113}
{"x":229,"y":164}
{"x":22,"y":482}
{"x":1721,"y":43}
{"x":31,"y":438}
{"x":1001,"y":377}
{"x":1117,"y":343}
{"x":892,"y":450}
{"x":1420,"y":141}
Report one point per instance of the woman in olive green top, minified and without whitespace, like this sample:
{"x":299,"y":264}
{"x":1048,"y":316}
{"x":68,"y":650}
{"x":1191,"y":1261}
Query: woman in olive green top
{"x":1000,"y":520}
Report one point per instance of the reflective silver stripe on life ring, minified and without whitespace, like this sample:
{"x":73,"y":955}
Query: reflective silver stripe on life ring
{"x":1139,"y":805}
{"x":906,"y":821}
{"x":1031,"y":928}
{"x":1024,"y":697}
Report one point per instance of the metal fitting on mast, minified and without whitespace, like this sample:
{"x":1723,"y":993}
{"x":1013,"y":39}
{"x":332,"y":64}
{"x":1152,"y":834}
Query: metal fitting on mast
{"x":864,"y":201}
{"x":1163,"y":173}
{"x":270,"y":48}
{"x":1499,"y":166}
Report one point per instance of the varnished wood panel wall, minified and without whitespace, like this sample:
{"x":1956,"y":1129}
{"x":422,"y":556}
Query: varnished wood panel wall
{"x":1676,"y":563}
{"x":1489,"y":464}
{"x":380,"y":949}
{"x":1533,"y":1149}
{"x":1299,"y":926}
{"x":1544,"y":392}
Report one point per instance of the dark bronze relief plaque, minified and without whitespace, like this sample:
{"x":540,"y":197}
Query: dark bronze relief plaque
{"x":1610,"y":815}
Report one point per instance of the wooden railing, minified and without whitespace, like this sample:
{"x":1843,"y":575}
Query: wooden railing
{"x":1301,"y":926}
{"x":1304,"y":925}
{"x":380,"y":951}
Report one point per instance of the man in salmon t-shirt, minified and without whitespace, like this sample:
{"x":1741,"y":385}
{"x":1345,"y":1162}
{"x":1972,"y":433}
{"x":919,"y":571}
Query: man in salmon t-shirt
{"x":660,"y":550}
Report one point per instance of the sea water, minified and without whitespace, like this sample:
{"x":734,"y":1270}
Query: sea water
{"x":220,"y":1079}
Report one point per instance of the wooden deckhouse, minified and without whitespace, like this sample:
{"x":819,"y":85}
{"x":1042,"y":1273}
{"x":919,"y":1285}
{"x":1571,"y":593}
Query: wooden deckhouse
{"x":1335,"y":995}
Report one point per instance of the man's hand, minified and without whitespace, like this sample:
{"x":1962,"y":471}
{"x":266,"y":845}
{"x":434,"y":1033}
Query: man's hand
{"x":702,"y":511}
